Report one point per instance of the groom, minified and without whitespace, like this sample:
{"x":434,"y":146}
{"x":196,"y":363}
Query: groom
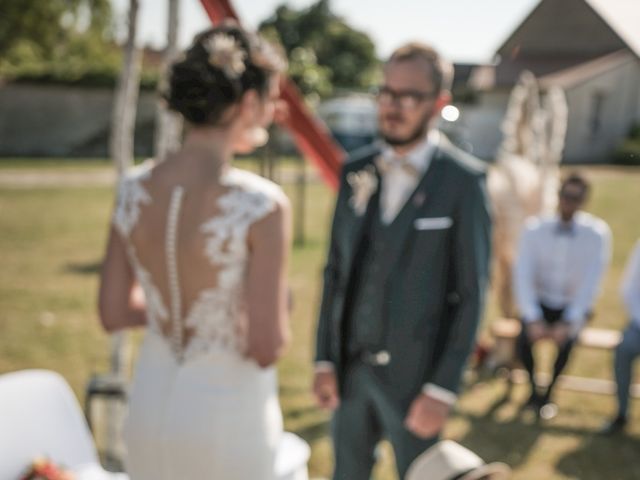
{"x":405,"y":277}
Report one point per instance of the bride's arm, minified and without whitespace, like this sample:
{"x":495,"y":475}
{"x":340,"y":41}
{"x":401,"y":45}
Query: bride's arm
{"x":120,"y":302}
{"x":269,"y":241}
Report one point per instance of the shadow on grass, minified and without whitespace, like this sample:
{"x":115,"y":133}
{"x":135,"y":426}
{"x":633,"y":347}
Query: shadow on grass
{"x":493,"y":440}
{"x":314,"y":431}
{"x":617,"y":455}
{"x":513,"y":440}
{"x":87,"y":268}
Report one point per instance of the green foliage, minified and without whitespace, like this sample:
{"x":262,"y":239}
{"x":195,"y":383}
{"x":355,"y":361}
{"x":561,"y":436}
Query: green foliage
{"x":629,"y":152}
{"x":59,"y":41}
{"x":314,"y":80}
{"x":49,"y":25}
{"x":324,"y":52}
{"x":634,"y":132}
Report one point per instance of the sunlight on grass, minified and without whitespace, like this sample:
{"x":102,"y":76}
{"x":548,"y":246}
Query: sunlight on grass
{"x":52,"y":240}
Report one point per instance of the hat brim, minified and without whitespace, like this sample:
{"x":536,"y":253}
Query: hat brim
{"x":499,"y":470}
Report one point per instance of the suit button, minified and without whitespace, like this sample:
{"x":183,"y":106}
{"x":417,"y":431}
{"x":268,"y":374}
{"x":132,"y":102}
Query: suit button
{"x":383,"y":357}
{"x":378,"y":359}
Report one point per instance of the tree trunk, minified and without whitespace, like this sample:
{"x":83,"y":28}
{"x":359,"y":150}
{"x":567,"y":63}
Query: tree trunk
{"x":121,"y":149}
{"x":126,"y":98}
{"x":168,"y":124}
{"x":122,"y":138}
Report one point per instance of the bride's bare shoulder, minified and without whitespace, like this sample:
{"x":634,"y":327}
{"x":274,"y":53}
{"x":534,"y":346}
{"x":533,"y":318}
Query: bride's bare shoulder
{"x":258,"y":187}
{"x":139,"y":172}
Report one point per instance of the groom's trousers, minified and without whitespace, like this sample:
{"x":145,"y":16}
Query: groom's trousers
{"x":366,"y":414}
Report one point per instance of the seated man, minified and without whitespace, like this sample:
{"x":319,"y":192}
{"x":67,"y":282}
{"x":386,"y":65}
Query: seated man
{"x":629,"y":347}
{"x":558,"y":268}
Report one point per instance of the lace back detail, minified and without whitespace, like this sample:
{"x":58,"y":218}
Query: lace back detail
{"x":131,"y":194}
{"x":216,"y":320}
{"x":216,"y":316}
{"x":171,"y":243}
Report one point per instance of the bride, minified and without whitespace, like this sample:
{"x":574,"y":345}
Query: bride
{"x":197,"y":253}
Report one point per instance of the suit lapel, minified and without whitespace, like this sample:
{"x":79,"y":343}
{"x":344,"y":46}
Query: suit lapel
{"x":402,"y":225}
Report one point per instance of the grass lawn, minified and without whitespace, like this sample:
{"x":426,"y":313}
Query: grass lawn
{"x":46,"y":164}
{"x":51,"y":242}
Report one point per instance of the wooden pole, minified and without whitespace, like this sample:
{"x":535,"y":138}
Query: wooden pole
{"x":301,"y":184}
{"x":126,"y":98}
{"x":168,"y":124}
{"x":121,"y":146}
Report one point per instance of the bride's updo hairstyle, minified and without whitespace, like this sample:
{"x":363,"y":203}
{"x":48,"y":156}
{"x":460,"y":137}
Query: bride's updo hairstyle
{"x":219,"y":67}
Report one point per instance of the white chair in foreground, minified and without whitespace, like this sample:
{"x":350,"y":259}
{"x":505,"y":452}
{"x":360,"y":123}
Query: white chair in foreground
{"x":40,"y":416}
{"x":292,"y":457}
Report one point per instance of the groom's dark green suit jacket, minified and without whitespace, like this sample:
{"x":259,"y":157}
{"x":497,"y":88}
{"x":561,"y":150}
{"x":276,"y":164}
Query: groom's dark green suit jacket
{"x":435,"y":274}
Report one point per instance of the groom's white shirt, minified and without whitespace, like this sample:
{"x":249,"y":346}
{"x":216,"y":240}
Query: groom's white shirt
{"x":398,"y":184}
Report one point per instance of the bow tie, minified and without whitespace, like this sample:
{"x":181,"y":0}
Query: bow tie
{"x":386,"y":165}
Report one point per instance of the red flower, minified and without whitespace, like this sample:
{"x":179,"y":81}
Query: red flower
{"x":43,"y":469}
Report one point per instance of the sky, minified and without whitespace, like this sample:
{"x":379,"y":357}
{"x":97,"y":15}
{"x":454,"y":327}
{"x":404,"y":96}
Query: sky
{"x":462,"y":30}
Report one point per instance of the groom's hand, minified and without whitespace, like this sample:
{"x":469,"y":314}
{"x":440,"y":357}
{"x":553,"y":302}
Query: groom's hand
{"x":426,"y":416}
{"x":325,"y":389}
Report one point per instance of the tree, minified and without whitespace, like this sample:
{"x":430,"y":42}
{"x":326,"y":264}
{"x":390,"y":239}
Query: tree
{"x":324,"y":52}
{"x":126,"y":98}
{"x":46,"y":24}
{"x":65,"y":39}
{"x":168,"y":124}
{"x":121,"y":149}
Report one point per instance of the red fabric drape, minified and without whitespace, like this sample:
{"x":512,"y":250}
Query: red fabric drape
{"x":311,"y":137}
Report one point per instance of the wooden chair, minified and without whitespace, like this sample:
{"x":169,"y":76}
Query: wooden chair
{"x":505,"y":332}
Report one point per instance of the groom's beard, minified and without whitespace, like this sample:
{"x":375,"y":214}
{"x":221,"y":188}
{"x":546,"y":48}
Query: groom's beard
{"x":418,"y":133}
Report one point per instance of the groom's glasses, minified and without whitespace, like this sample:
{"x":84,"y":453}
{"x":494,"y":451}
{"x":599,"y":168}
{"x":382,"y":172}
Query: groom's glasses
{"x":405,"y":99}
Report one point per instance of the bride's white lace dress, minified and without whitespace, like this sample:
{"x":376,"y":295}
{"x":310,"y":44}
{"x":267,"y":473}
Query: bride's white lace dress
{"x":198,"y":408}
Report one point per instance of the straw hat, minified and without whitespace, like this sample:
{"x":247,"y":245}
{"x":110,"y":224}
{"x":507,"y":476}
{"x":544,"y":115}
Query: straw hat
{"x":448,"y":460}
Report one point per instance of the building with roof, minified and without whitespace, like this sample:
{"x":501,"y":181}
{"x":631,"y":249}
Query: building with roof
{"x":590,"y":48}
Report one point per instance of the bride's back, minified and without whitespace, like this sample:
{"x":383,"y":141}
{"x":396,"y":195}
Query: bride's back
{"x":188,"y":242}
{"x":207,"y":243}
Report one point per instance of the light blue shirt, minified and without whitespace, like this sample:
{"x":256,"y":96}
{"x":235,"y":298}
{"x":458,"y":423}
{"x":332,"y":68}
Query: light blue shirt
{"x":631,"y":285}
{"x":561,"y":268}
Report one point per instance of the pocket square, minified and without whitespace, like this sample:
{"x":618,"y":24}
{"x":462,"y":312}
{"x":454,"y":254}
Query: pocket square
{"x":432,"y":223}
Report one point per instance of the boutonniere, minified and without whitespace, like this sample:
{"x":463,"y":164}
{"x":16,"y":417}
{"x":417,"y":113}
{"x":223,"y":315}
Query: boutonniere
{"x":363,"y":183}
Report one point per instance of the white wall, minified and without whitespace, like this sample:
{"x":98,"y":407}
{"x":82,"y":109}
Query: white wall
{"x":619,"y":111}
{"x":620,"y":90}
{"x":480,"y":123}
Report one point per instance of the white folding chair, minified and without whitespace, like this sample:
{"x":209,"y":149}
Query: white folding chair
{"x":292,"y":457}
{"x":40,"y":416}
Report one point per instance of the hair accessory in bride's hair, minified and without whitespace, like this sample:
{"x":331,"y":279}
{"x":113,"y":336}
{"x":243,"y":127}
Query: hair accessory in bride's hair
{"x":226,"y":53}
